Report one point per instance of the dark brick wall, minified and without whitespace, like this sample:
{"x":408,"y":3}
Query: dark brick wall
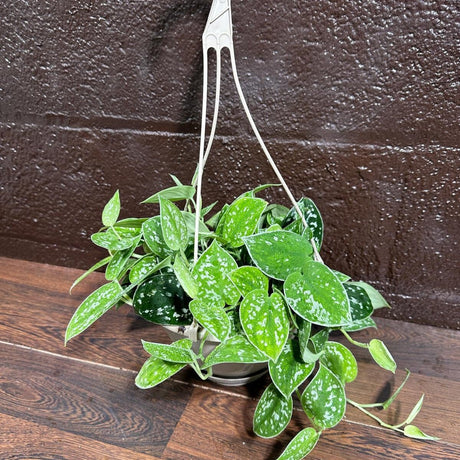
{"x":357,"y":101}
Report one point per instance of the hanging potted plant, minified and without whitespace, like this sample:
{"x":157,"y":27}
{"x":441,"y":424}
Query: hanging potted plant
{"x":241,"y":291}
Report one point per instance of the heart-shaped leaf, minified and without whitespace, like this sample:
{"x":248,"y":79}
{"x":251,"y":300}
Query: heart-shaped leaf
{"x":301,"y":445}
{"x":176,"y":193}
{"x":376,"y":298}
{"x":324,"y":399}
{"x":381,"y":355}
{"x":289,"y":372}
{"x":185,"y":277}
{"x":248,"y":278}
{"x":210,"y":273}
{"x":272,"y":414}
{"x":318,"y":296}
{"x":312,"y":218}
{"x":92,"y":308}
{"x":162,"y":300}
{"x":145,"y":267}
{"x":177,"y":352}
{"x":240,"y":219}
{"x":279,"y":253}
{"x":111,"y":210}
{"x":340,"y":360}
{"x":173,"y":225}
{"x":212,"y":317}
{"x":153,"y":237}
{"x":265,"y":321}
{"x":236,"y":349}
{"x":155,"y":371}
{"x":360,"y":303}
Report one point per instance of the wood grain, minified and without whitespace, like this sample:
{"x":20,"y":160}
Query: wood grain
{"x":84,"y":394}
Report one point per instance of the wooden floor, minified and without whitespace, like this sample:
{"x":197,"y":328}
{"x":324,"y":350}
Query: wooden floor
{"x":80,"y":402}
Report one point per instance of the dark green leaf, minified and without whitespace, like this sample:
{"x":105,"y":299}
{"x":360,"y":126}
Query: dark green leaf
{"x":376,"y":298}
{"x":272,"y":414}
{"x":289,"y":372}
{"x":360,"y":303}
{"x":324,"y":399}
{"x":162,"y":300}
{"x":280,"y":253}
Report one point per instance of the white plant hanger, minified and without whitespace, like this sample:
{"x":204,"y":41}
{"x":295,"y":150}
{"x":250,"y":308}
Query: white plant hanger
{"x":217,"y":35}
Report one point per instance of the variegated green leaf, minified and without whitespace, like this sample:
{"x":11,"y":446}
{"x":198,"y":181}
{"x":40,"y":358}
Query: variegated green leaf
{"x":119,"y":260}
{"x":340,"y":360}
{"x":236,"y":349}
{"x":210,"y":273}
{"x":111,"y":210}
{"x":289,"y":372}
{"x":265,"y":321}
{"x":147,"y":266}
{"x":212,"y":317}
{"x":341,"y":276}
{"x":177,"y":352}
{"x":92,"y":308}
{"x":112,"y":241}
{"x":324,"y":399}
{"x":176,"y":193}
{"x":240,"y":219}
{"x":280,"y":253}
{"x":155,"y":371}
{"x":376,"y":298}
{"x":272,"y":414}
{"x":360,"y":303}
{"x":185,"y":277}
{"x":301,"y":445}
{"x":381,"y":355}
{"x":318,"y":296}
{"x":173,"y":225}
{"x":360,"y":325}
{"x":97,"y":265}
{"x":248,"y":278}
{"x":153,"y":237}
{"x":162,"y":300}
{"x":312,"y":218}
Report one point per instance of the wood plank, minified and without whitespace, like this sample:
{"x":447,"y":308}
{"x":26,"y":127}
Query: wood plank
{"x":218,"y":425}
{"x":88,"y":400}
{"x":22,"y":439}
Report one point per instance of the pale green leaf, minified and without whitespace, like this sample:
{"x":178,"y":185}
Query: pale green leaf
{"x":212,"y":317}
{"x":265,"y":321}
{"x":289,"y":372}
{"x":376,"y":298}
{"x":92,"y":308}
{"x":272,"y":414}
{"x":240,"y":220}
{"x":97,"y":265}
{"x":248,"y":278}
{"x":318,"y":296}
{"x":185,"y":277}
{"x":176,"y":193}
{"x":360,"y":325}
{"x":203,"y":230}
{"x":381,"y":355}
{"x":111,"y":210}
{"x":112,"y":241}
{"x":119,"y":260}
{"x":301,"y":445}
{"x":155,"y":371}
{"x":324,"y":399}
{"x":279,"y":253}
{"x":210,"y":273}
{"x":173,"y":226}
{"x":236,"y":349}
{"x":177,"y":352}
{"x":153,"y":237}
{"x":411,"y":431}
{"x":340,"y":360}
{"x":416,"y":409}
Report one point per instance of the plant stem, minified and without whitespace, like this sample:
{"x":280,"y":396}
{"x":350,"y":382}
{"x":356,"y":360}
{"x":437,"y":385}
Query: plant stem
{"x":354,"y":342}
